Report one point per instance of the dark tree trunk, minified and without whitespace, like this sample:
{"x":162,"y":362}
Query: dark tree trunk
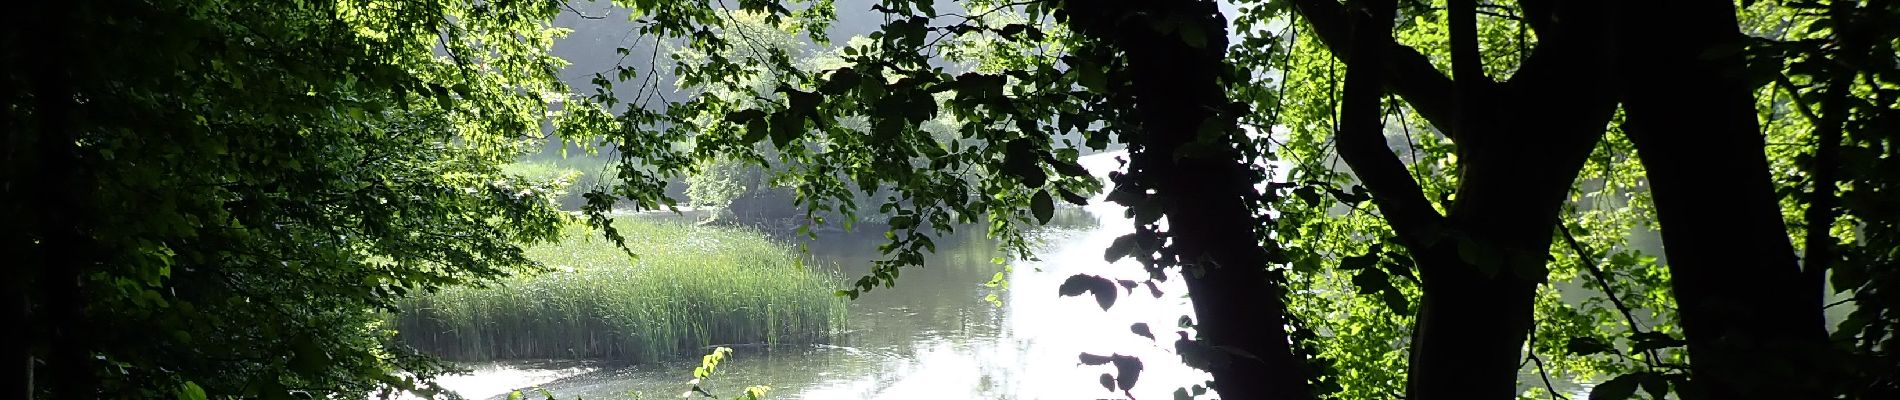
{"x":1753,"y":329}
{"x":57,"y":184}
{"x":1176,"y":89}
{"x":16,"y":156}
{"x":1521,"y":144}
{"x":15,"y":241}
{"x":1518,"y":160}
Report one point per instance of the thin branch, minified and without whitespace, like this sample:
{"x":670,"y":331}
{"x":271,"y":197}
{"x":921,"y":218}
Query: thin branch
{"x":1800,"y":104}
{"x":999,"y":7}
{"x":577,"y":12}
{"x":1482,"y":10}
{"x":1410,"y":143}
{"x":1541,"y":372}
{"x":1467,"y":65}
{"x":1410,"y":74}
{"x":1589,"y":263}
{"x":1279,"y":97}
{"x":1818,"y":249}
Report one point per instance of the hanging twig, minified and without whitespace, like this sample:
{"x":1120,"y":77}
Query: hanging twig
{"x":1603,"y":280}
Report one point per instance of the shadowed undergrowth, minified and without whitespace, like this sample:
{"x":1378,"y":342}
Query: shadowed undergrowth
{"x":690,"y":287}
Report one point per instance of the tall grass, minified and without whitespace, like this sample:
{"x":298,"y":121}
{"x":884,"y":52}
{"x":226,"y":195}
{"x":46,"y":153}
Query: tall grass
{"x":690,"y":287}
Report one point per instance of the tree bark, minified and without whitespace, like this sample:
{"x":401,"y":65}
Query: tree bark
{"x":1521,"y":145}
{"x":17,"y":245}
{"x":1177,"y":88}
{"x":1753,"y":329}
{"x":58,"y":185}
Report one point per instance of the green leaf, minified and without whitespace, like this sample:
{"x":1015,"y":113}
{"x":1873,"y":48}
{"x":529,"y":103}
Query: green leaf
{"x":744,"y":116}
{"x":1072,"y":198}
{"x":1584,"y":346}
{"x":975,"y":86}
{"x":842,"y":80}
{"x":1618,"y":388}
{"x":785,"y":128}
{"x":1182,"y":394}
{"x":1308,"y":194}
{"x":1653,"y":340}
{"x":308,"y":357}
{"x":901,"y":222}
{"x":1065,"y":168}
{"x":1396,"y":301}
{"x":1091,"y":77}
{"x":1102,"y":288}
{"x":1121,"y":247}
{"x":514,"y":395}
{"x":1194,"y":36}
{"x":191,"y":391}
{"x":1360,"y":262}
{"x":1141,"y":328}
{"x":1019,"y":159}
{"x":1128,"y":371}
{"x":1043,"y":207}
{"x":1655,"y":384}
{"x":1371,"y":280}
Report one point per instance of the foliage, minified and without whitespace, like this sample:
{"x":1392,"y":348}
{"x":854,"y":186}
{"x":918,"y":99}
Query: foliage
{"x":1603,"y":308}
{"x":708,"y":365}
{"x":1362,"y":284}
{"x":224,"y":192}
{"x":1831,"y":102}
{"x":885,"y":81}
{"x":296,"y":166}
{"x":699,"y":286}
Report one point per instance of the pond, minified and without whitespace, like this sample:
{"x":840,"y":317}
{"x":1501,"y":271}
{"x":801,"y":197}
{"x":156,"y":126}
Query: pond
{"x":933,"y":336}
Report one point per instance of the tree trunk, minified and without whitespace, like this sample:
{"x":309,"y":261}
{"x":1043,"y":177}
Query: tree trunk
{"x":1753,"y":330}
{"x":1520,"y":144}
{"x":16,"y":158}
{"x":1517,"y":165}
{"x":58,"y":185}
{"x":1177,"y":88}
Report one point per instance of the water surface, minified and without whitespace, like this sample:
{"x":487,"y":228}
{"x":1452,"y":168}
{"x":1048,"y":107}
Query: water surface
{"x":934,"y":336}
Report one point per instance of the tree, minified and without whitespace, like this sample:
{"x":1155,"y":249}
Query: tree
{"x":1749,"y":317}
{"x":1469,"y":230}
{"x":1673,"y":59}
{"x":214,"y":198}
{"x":340,"y":154}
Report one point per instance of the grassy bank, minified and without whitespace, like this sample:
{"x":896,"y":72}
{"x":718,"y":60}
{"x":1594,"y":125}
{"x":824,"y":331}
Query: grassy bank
{"x":691,"y":286}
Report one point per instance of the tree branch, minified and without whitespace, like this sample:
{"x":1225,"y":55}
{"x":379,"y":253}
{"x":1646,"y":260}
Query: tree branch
{"x":1467,"y":66}
{"x":1818,"y":248}
{"x":583,"y":15}
{"x":1589,"y":262}
{"x":1539,"y":14}
{"x":1412,"y":76}
{"x":1361,"y":138}
{"x":1541,"y":371}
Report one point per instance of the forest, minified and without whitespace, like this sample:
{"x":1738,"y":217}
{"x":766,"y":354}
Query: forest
{"x":1011,"y":199}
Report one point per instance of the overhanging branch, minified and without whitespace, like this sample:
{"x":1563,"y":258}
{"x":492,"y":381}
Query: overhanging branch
{"x":1410,"y":74}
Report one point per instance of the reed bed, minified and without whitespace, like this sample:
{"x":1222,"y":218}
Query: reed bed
{"x":690,"y":287}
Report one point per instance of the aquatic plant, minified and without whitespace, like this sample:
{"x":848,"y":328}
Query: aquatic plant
{"x":688,"y":287}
